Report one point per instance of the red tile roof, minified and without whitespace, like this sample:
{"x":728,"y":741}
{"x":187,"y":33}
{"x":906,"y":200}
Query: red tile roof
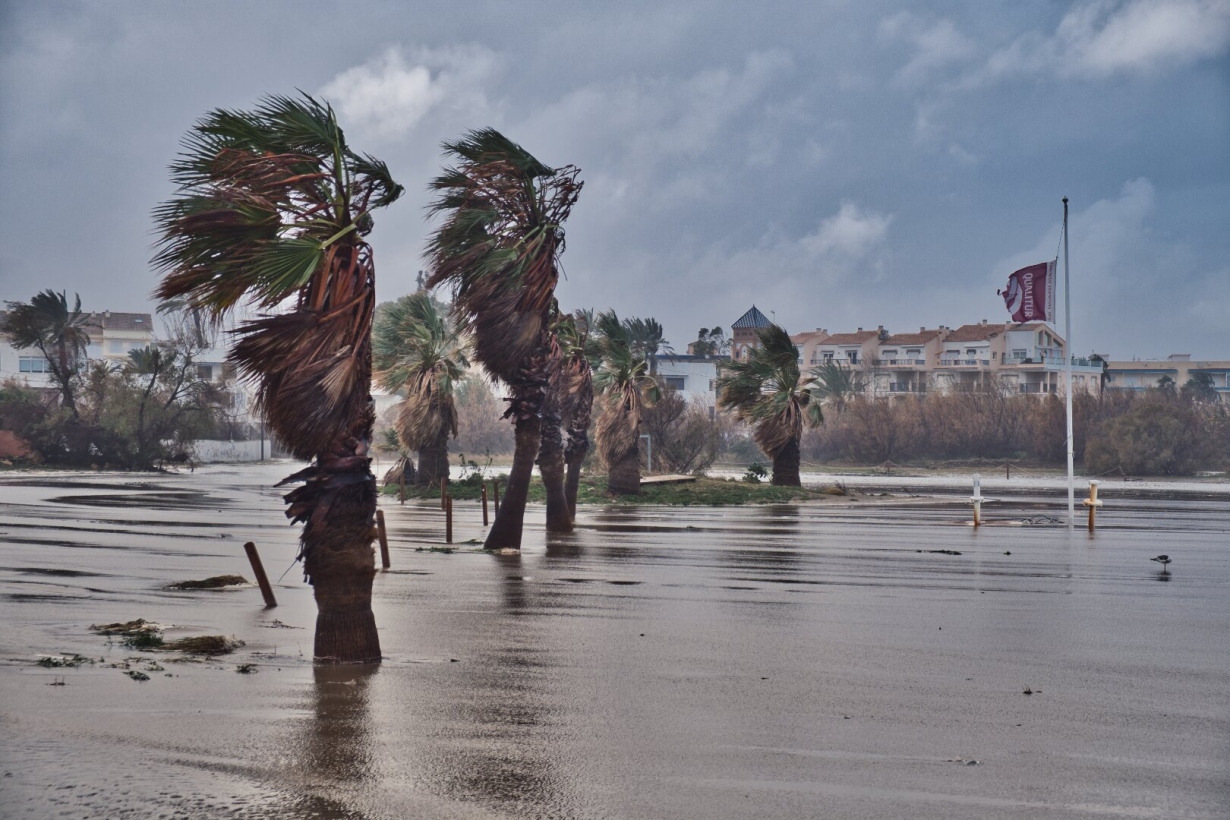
{"x":975,"y":333}
{"x":851,"y":338}
{"x":911,"y":338}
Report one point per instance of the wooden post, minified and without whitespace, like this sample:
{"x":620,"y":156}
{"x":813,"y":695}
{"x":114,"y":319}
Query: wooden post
{"x":444,"y":492}
{"x":484,"y":505}
{"x":1007,"y":470}
{"x":976,"y":498}
{"x":261,"y":578}
{"x":448,"y":519}
{"x":384,"y":539}
{"x":495,"y":491}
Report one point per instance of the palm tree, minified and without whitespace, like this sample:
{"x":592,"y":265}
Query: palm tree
{"x":646,"y":339}
{"x":273,"y":208}
{"x":499,"y":248}
{"x":766,"y":390}
{"x":623,"y":381}
{"x":835,"y":385}
{"x":49,"y":325}
{"x":419,"y":350}
{"x":577,"y":389}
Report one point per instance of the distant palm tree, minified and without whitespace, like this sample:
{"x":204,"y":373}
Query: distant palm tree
{"x":499,"y":247}
{"x":418,"y":350}
{"x":273,"y":208}
{"x":835,"y":385}
{"x":646,"y":339}
{"x":622,"y":380}
{"x":577,"y":389}
{"x":766,"y":390}
{"x":47,"y":324}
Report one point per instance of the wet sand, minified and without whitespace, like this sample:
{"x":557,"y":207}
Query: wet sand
{"x":814,"y":660}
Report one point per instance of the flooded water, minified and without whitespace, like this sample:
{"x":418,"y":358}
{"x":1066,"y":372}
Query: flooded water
{"x":847,"y":658}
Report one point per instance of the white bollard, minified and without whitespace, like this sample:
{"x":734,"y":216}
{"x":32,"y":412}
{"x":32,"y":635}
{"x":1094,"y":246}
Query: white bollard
{"x":1092,"y":502}
{"x":977,"y":499}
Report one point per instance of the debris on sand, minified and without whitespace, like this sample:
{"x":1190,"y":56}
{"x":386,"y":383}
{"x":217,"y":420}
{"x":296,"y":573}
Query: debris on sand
{"x":204,"y":645}
{"x":216,"y":582}
{"x":941,"y":552}
{"x":138,"y":627}
{"x":59,"y":661}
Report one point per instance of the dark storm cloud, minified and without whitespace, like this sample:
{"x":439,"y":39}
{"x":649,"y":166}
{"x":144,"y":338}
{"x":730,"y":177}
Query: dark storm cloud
{"x":842,"y":164}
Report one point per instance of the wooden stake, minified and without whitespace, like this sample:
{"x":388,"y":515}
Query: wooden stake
{"x":448,"y":519}
{"x":1092,"y":503}
{"x":261,"y":578}
{"x":443,"y":492}
{"x":484,"y":505}
{"x":384,"y":539}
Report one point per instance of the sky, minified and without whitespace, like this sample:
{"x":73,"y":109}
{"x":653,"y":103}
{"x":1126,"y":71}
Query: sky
{"x":837,"y":163}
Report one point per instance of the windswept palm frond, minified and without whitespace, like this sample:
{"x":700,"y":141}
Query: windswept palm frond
{"x":419,"y":351}
{"x":835,"y":385}
{"x":47,"y":324}
{"x":272,"y":206}
{"x":499,"y":243}
{"x":622,"y":380}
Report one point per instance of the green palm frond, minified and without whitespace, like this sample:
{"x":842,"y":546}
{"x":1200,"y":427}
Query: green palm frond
{"x":271,"y":208}
{"x":766,"y":390}
{"x":418,"y":350}
{"x":835,"y":385}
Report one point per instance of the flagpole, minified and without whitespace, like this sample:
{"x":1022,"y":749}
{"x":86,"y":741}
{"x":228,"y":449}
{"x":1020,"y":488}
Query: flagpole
{"x":1067,"y":332}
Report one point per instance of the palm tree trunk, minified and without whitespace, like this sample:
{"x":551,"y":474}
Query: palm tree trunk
{"x":433,"y":462}
{"x":505,"y":532}
{"x":339,"y":561}
{"x":624,"y":476}
{"x":574,"y":457}
{"x":551,"y":467}
{"x":786,"y":465}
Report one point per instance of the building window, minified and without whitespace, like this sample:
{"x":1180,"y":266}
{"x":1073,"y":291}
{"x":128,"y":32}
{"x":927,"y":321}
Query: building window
{"x":115,"y":346}
{"x":852,"y":356}
{"x":33,"y":364}
{"x":675,"y":382}
{"x":712,"y":385}
{"x":205,"y":372}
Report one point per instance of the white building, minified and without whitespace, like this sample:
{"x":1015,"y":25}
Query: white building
{"x":112,"y":336}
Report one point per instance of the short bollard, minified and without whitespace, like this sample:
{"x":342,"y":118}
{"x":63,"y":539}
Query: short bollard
{"x":384,"y":539}
{"x":443,"y":492}
{"x":495,"y":491}
{"x":1092,"y":503}
{"x":484,"y":505}
{"x":259,"y":571}
{"x":976,"y":498}
{"x":448,"y":519}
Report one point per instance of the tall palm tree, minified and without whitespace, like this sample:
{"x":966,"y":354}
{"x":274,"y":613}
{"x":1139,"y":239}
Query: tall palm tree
{"x":623,"y":381}
{"x":499,"y":248}
{"x":418,"y":349}
{"x":577,"y":389}
{"x":47,"y":324}
{"x":273,"y":207}
{"x":766,"y":391}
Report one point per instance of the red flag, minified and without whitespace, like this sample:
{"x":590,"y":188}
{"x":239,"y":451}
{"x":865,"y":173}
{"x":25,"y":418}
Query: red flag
{"x":1030,"y":295}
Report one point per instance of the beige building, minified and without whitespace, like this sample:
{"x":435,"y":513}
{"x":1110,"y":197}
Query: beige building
{"x":1179,"y":367}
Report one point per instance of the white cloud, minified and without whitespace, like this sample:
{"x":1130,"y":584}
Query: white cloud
{"x":388,"y":96}
{"x":1100,"y":38}
{"x":849,"y":233}
{"x":935,"y":45}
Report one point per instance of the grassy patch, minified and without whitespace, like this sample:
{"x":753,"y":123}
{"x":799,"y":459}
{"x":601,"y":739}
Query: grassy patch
{"x":140,"y":625}
{"x":216,"y":582}
{"x":704,"y":492}
{"x":60,"y":661}
{"x":144,"y":640}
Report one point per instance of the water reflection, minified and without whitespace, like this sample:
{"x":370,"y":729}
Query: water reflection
{"x":339,"y":748}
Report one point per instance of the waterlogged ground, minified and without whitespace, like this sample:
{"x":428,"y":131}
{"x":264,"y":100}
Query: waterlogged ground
{"x":833,"y":659}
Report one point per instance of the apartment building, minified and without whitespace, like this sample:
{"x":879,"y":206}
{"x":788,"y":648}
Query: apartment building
{"x":1179,"y":367}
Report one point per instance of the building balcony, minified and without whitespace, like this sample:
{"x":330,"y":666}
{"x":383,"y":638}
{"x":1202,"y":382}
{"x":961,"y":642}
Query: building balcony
{"x":965,"y":362}
{"x":907,"y":388}
{"x":903,"y":362}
